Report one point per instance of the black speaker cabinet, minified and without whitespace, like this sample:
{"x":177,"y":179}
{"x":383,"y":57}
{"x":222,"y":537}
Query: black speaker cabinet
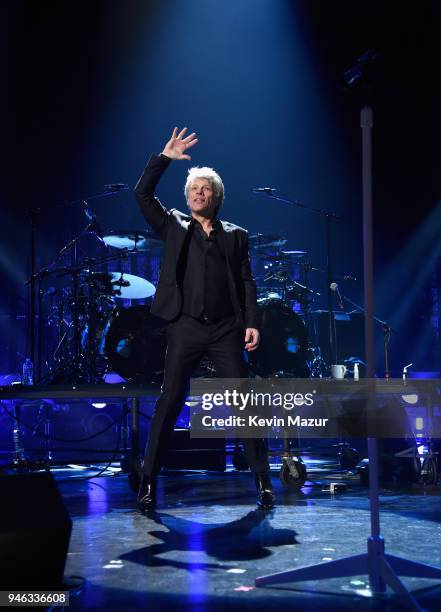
{"x":35,"y":530}
{"x":187,"y":453}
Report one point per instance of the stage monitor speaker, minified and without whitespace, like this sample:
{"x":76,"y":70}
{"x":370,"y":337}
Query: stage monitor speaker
{"x":35,"y":530}
{"x":187,"y":453}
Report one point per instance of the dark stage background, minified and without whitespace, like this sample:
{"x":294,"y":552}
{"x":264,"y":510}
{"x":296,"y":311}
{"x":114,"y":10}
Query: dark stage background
{"x":94,"y":87}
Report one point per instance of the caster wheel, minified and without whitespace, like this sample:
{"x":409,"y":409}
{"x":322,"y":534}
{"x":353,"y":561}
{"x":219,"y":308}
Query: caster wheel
{"x":293,"y":473}
{"x":348,"y":457}
{"x":239,"y":461}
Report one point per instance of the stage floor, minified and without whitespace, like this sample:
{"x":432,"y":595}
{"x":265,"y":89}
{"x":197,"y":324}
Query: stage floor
{"x":208,"y":543}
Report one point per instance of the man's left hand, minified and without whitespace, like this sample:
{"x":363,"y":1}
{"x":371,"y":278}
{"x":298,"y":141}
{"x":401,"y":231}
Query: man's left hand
{"x":252,"y":338}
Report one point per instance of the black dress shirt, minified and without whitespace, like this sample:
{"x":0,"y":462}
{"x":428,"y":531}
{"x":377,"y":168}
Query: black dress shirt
{"x":205,"y":287}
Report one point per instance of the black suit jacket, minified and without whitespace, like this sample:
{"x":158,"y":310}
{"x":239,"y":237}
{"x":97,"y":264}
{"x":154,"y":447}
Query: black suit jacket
{"x":172,"y":227}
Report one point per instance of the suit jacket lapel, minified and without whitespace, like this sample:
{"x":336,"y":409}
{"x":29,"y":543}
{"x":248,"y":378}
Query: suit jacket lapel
{"x":182,"y":240}
{"x":228,"y":240}
{"x":181,"y":236}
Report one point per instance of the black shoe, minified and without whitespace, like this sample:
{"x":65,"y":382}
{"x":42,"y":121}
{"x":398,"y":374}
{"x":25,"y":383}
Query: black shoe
{"x":147,"y":494}
{"x":266,"y":498}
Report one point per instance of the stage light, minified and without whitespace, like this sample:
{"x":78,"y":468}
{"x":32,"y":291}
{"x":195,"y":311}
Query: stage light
{"x":99,"y":404}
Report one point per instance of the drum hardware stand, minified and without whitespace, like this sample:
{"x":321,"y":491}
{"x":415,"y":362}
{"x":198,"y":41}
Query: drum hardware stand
{"x":382,"y":569}
{"x":42,"y":274}
{"x":19,"y":455}
{"x":109,"y":190}
{"x":90,"y":356}
{"x":36,"y":288}
{"x":76,"y":354}
{"x":61,"y":322}
{"x":91,"y":329}
{"x":328,"y":216}
{"x":33,"y":212}
{"x":281,"y":276}
{"x":38,"y":276}
{"x":318,"y":366}
{"x":92,"y":227}
{"x":80,"y":341}
{"x":69,"y":366}
{"x":331,"y":320}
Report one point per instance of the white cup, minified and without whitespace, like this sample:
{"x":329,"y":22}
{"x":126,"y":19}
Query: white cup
{"x":338,"y":371}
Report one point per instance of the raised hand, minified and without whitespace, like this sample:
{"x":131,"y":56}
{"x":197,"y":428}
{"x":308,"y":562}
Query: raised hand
{"x":177,"y":145}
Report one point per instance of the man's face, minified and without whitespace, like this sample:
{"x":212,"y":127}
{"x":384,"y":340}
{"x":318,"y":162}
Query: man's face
{"x":201,"y":199}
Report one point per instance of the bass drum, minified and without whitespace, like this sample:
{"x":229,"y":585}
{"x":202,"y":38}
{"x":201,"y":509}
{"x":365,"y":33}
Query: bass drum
{"x":135,"y":344}
{"x":283,"y":349}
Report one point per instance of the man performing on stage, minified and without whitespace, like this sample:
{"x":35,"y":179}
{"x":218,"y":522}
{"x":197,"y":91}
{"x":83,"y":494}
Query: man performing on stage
{"x":208,"y":294}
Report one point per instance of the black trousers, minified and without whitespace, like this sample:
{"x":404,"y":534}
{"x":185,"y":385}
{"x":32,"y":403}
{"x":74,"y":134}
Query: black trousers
{"x":188,"y":339}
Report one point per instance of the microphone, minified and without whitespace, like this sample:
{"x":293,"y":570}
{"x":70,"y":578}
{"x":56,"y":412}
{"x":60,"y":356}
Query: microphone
{"x":114,"y":187}
{"x":264,"y":190}
{"x":334,"y":287}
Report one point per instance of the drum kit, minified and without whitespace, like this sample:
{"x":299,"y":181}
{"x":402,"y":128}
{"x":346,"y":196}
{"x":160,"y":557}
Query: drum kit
{"x":285,"y":307}
{"x":102,"y":319}
{"x":102,"y":328}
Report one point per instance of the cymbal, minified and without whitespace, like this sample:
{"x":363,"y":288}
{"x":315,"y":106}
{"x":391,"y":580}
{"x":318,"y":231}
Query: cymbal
{"x":120,"y":284}
{"x":265,"y":241}
{"x":132,"y":240}
{"x":284,"y":256}
{"x":268,"y":296}
{"x":280,"y":275}
{"x":294,"y":254}
{"x":129,"y":286}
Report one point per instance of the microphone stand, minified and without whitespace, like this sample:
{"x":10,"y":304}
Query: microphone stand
{"x":328,"y":216}
{"x":75,"y":270}
{"x":104,"y":194}
{"x":33,"y":220}
{"x":382,"y":569}
{"x":387,"y":330}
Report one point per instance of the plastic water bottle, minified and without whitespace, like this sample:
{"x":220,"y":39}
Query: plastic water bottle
{"x":28,"y":372}
{"x":356,"y":372}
